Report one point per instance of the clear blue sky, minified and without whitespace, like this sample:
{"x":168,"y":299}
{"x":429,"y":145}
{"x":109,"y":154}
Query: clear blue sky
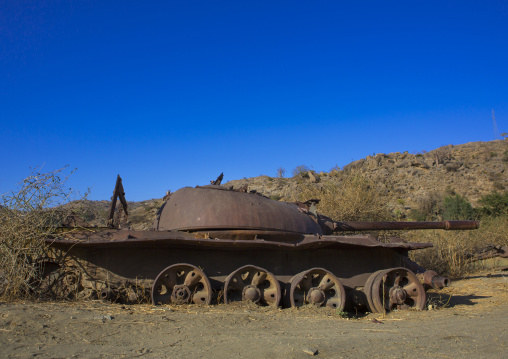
{"x":171,"y":93}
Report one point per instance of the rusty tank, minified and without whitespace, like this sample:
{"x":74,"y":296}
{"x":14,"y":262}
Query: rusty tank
{"x":212,"y":244}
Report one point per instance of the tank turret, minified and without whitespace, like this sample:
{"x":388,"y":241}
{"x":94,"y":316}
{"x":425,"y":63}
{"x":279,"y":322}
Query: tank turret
{"x":215,"y":211}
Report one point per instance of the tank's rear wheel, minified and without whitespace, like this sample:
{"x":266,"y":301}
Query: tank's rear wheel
{"x":55,"y":281}
{"x":396,"y":288}
{"x":367,"y":290}
{"x":181,"y":284}
{"x":318,"y":287}
{"x":254,"y":284}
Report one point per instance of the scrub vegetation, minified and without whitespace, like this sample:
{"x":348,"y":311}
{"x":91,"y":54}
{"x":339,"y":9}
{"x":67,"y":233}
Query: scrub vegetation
{"x":349,"y":198}
{"x":352,"y":197}
{"x":453,"y":250}
{"x":34,"y":210}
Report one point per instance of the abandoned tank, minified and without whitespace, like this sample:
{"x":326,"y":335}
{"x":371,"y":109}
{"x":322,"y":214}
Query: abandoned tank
{"x":213,"y":244}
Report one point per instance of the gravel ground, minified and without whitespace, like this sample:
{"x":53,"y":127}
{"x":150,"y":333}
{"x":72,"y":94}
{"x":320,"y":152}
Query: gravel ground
{"x":467,"y":319}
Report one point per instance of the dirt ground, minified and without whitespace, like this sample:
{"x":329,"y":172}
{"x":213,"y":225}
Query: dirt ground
{"x":468,"y":319}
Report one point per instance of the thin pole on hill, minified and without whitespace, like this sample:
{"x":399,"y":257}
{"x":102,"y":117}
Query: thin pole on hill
{"x":496,"y":130}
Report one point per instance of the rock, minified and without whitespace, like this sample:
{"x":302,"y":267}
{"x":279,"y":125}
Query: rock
{"x":371,"y":162}
{"x":144,"y":351}
{"x":403,"y":163}
{"x":452,"y":166}
{"x":311,"y":351}
{"x":104,"y":317}
{"x":313,"y":178}
{"x":419,"y":163}
{"x":354,"y":165}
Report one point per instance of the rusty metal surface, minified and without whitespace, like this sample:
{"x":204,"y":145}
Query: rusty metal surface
{"x":490,"y":251}
{"x":108,"y":238}
{"x":181,"y":283}
{"x":250,"y":234}
{"x":431,"y":279}
{"x":317,"y":287}
{"x":395,"y":288}
{"x":118,"y":192}
{"x":115,"y":266}
{"x":218,"y":181}
{"x":215,"y":207}
{"x":252,"y":284}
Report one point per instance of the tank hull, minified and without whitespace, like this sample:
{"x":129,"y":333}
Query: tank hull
{"x":119,"y":258}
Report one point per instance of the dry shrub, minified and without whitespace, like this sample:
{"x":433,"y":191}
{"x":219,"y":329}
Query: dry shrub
{"x":350,"y":197}
{"x":301,"y":171}
{"x":428,"y":207}
{"x":453,"y":249}
{"x":27,"y":215}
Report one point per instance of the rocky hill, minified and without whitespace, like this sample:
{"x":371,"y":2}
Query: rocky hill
{"x":472,"y":170}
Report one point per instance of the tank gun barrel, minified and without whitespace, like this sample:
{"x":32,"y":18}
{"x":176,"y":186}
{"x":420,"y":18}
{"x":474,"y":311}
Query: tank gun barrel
{"x":369,"y":226}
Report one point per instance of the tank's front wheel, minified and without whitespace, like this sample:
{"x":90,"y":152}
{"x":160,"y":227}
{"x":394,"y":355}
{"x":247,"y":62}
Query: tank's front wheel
{"x":395,"y":288}
{"x":181,"y":284}
{"x":252,"y":284}
{"x":318,"y":287}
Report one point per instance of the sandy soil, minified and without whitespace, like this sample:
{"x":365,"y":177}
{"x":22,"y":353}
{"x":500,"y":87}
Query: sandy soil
{"x":469,"y":319}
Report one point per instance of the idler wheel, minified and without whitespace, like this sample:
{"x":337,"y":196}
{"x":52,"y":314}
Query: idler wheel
{"x":396,"y":288}
{"x":252,"y":284}
{"x":181,"y":284}
{"x":317,"y":287}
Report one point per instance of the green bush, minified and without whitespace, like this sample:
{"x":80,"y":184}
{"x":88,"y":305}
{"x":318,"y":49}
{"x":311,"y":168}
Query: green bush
{"x":457,"y":208}
{"x":419,"y":215}
{"x":494,"y":204}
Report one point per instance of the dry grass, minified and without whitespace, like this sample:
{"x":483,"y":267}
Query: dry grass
{"x":28,"y":214}
{"x":452,"y":249}
{"x":350,"y":197}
